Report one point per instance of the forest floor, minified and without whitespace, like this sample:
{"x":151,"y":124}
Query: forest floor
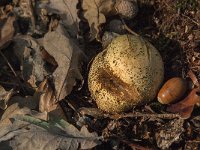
{"x":172,"y":26}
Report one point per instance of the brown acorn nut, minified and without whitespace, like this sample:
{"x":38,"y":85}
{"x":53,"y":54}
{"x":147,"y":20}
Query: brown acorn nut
{"x":172,"y":91}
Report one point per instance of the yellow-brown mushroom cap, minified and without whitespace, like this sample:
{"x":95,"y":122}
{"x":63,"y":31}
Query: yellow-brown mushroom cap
{"x":129,"y":72}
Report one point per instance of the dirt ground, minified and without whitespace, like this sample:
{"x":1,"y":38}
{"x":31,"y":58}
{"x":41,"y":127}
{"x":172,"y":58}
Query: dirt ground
{"x":173,"y":27}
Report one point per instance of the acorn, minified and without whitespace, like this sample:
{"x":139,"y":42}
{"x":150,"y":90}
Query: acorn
{"x":172,"y":91}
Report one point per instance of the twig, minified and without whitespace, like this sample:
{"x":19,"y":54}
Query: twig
{"x":99,"y":114}
{"x":132,"y":144}
{"x":191,"y":19}
{"x":13,"y":71}
{"x":133,"y":115}
{"x":135,"y":145}
{"x":10,"y":66}
{"x":128,"y":29}
{"x":10,"y":84}
{"x":73,"y":108}
{"x":194,"y":141}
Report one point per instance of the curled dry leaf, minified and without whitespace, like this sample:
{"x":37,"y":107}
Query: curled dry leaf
{"x":31,"y":133}
{"x":67,"y":9}
{"x":4,"y":97}
{"x":47,"y":97}
{"x":169,"y":133}
{"x":25,"y":10}
{"x":28,"y":52}
{"x":95,"y":11}
{"x":48,"y":58}
{"x":11,"y":111}
{"x":68,"y":56}
{"x":185,"y":107}
{"x":47,"y":100}
{"x":29,"y":101}
{"x":18,"y":105}
{"x":193,"y":78}
{"x":7,"y":30}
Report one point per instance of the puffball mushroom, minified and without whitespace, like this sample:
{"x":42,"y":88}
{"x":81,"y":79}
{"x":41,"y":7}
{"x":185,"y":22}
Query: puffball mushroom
{"x":126,"y":8}
{"x":127,"y":73}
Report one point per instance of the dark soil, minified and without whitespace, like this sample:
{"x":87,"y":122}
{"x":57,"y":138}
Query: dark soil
{"x":173,"y":27}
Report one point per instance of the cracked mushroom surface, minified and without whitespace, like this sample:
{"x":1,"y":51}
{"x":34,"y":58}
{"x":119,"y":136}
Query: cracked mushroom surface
{"x":127,"y":73}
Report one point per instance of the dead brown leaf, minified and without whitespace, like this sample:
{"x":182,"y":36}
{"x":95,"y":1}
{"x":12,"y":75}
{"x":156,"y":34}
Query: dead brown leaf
{"x":95,"y":11}
{"x":19,"y":105}
{"x":47,"y":97}
{"x":68,"y":11}
{"x":185,"y":107}
{"x":28,"y":101}
{"x":11,"y":111}
{"x":47,"y":101}
{"x":31,"y":133}
{"x":169,"y":133}
{"x":7,"y":30}
{"x":4,"y":97}
{"x":48,"y":58}
{"x":68,"y":56}
{"x":28,"y":52}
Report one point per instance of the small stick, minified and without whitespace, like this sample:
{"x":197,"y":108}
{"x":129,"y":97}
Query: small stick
{"x":99,"y":114}
{"x":10,"y":84}
{"x":135,"y":145}
{"x":73,"y":108}
{"x":132,"y":115}
{"x":191,"y":20}
{"x":128,"y":29}
{"x":10,"y":66}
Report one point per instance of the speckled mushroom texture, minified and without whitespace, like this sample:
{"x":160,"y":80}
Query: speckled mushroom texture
{"x":129,"y":72}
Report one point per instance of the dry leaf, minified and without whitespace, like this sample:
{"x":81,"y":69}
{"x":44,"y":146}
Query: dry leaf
{"x":47,"y":101}
{"x":19,"y":105}
{"x":193,"y":78}
{"x":47,"y":97}
{"x":68,"y":11}
{"x":4,"y":97}
{"x":38,"y":134}
{"x":48,"y":58}
{"x":11,"y":111}
{"x":28,"y":101}
{"x":169,"y":133}
{"x":7,"y":30}
{"x":95,"y":11}
{"x":196,"y":122}
{"x":28,"y":52}
{"x":68,"y":56}
{"x":185,"y":107}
